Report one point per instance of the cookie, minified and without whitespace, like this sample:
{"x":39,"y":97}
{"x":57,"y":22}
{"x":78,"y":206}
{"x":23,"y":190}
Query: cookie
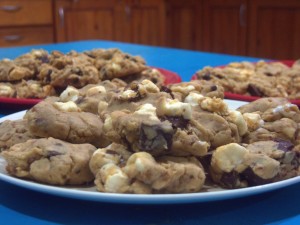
{"x":33,"y":89}
{"x":119,"y":171}
{"x":121,"y":65}
{"x":65,"y":121}
{"x":50,"y":161}
{"x":262,"y":79}
{"x":13,"y":132}
{"x":92,"y":97}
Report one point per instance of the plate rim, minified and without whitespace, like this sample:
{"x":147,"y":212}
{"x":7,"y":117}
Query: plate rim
{"x":182,"y":198}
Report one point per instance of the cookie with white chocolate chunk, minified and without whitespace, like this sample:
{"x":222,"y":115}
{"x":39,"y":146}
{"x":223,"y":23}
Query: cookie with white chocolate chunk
{"x":144,"y":174}
{"x":233,"y":166}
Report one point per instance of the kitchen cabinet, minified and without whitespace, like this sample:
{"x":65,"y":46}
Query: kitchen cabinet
{"x":274,"y":29}
{"x":258,"y":28}
{"x":225,"y":26}
{"x":137,"y":21}
{"x":88,"y":19}
{"x":26,"y":22}
{"x":143,"y":22}
{"x":184,"y":24}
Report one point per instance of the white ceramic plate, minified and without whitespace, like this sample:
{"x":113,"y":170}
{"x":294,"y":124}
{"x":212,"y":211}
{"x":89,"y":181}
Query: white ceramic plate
{"x":90,"y":194}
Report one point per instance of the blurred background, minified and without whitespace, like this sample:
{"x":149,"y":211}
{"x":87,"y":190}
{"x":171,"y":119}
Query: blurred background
{"x":258,"y":28}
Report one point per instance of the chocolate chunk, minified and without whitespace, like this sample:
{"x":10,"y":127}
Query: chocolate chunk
{"x":44,"y":59}
{"x":111,"y":152}
{"x":154,"y":137}
{"x":80,"y":100}
{"x":269,"y":74}
{"x":229,"y":180}
{"x":77,"y":71}
{"x":154,"y":80}
{"x":254,"y":91}
{"x":284,"y":145}
{"x":48,"y":76}
{"x":90,"y":55}
{"x":213,"y":88}
{"x":167,"y":90}
{"x":253,"y":179}
{"x":53,"y":153}
{"x":206,"y":160}
{"x":177,"y":121}
{"x":206,"y":76}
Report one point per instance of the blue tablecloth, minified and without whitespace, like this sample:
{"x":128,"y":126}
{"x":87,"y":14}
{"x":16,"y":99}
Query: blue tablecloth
{"x":22,"y":206}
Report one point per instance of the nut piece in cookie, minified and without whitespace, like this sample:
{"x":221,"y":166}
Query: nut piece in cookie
{"x":50,"y":161}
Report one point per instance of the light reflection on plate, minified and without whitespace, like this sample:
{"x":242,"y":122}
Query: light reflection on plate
{"x":90,"y":193}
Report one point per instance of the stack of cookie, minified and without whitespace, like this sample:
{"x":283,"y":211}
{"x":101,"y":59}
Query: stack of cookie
{"x":262,"y":79}
{"x":146,"y":138}
{"x":39,"y":74}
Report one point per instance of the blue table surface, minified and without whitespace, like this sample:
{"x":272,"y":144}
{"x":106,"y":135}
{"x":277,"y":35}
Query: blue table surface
{"x":22,"y":206}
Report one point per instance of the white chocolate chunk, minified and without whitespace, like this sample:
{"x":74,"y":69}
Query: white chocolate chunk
{"x":237,"y":118}
{"x":174,"y":107}
{"x":67,"y":106}
{"x":193,"y":98}
{"x":69,"y":94}
{"x":96,"y":90}
{"x":228,"y":157}
{"x":114,"y":179}
{"x":147,"y":109}
{"x":253,"y":120}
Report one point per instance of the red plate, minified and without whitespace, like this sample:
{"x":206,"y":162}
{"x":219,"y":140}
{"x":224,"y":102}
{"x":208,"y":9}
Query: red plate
{"x":19,"y":103}
{"x":170,"y":77}
{"x":248,"y":98}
